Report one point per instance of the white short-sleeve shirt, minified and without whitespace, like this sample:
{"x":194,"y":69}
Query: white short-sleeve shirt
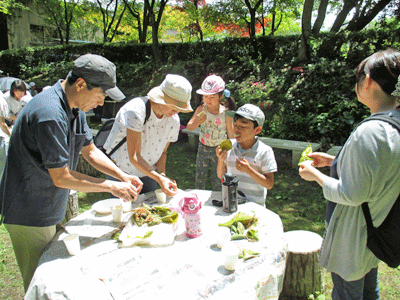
{"x":156,"y":134}
{"x":261,"y":158}
{"x":4,"y":109}
{"x":15,"y":106}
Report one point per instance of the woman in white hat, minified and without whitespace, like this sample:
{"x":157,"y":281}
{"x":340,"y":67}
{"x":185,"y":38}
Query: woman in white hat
{"x":145,"y":152}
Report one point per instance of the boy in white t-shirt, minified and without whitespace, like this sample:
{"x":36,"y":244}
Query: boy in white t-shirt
{"x":250,"y":160}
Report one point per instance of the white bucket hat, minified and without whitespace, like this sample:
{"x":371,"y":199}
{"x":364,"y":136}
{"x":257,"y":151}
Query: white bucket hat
{"x":175,"y":91}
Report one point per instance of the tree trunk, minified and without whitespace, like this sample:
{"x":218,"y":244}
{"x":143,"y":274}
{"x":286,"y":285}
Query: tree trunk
{"x":305,"y":49}
{"x":303,"y":275}
{"x":273,"y":22}
{"x":363,"y":21}
{"x":155,"y":45}
{"x":341,"y":17}
{"x":320,"y":18}
{"x":252,"y":11}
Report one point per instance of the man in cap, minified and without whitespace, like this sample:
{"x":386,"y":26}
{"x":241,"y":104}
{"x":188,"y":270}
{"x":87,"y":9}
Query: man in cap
{"x":145,"y":152}
{"x":44,"y":149}
{"x":250,"y":160}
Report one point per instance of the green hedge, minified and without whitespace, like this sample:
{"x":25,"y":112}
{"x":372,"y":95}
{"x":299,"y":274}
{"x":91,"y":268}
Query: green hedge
{"x":313,"y":101}
{"x":347,"y":47}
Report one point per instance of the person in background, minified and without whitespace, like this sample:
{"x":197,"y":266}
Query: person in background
{"x":33,"y":90}
{"x":11,"y":105}
{"x":215,"y":126}
{"x":365,"y":170}
{"x":145,"y":152}
{"x":47,"y":138}
{"x":250,"y":160}
{"x":4,"y":137}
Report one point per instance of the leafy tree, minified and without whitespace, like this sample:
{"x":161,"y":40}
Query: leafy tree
{"x":193,"y":10}
{"x":363,"y":12}
{"x":155,"y":9}
{"x":7,"y":6}
{"x":176,"y":25}
{"x":252,"y":6}
{"x":61,"y":15}
{"x":141,"y":14}
{"x":234,"y":15}
{"x":111,"y":17}
{"x":257,"y":16}
{"x":280,"y":12}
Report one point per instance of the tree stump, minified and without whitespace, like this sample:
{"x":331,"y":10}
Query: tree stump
{"x":72,"y":207}
{"x":303,"y":275}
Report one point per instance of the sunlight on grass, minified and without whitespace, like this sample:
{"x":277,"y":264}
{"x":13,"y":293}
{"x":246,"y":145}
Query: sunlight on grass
{"x":10,"y":279}
{"x":299,"y":203}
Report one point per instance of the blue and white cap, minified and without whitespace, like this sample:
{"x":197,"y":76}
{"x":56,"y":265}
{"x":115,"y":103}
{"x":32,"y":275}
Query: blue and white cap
{"x":252,"y":113}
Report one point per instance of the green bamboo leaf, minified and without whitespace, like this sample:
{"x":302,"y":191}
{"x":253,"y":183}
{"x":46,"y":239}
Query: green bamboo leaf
{"x":304,"y":156}
{"x":147,"y":235}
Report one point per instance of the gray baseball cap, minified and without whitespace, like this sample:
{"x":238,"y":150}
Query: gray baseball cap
{"x":99,"y":71}
{"x":252,"y":113}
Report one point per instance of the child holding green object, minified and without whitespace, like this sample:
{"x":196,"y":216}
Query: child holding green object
{"x":250,"y":160}
{"x":215,"y":126}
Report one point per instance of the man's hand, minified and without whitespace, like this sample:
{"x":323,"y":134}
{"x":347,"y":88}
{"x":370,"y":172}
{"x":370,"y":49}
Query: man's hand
{"x":124,"y":190}
{"x":135,"y":181}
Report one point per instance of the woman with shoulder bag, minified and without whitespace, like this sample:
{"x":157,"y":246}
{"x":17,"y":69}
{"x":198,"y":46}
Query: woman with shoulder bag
{"x":365,"y":170}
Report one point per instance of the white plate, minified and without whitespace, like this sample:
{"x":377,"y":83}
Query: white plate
{"x":104,"y":206}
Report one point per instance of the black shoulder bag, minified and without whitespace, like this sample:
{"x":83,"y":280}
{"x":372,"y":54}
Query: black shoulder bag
{"x":384,"y":241}
{"x":105,"y":130}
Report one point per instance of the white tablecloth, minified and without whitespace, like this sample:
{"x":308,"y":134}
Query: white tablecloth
{"x":188,"y":269}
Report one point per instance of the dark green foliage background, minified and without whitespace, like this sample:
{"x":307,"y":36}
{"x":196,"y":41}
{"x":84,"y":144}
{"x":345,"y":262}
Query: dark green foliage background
{"x":313,"y":101}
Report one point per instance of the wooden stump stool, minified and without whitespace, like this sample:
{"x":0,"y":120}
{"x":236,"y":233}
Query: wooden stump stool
{"x":72,"y":207}
{"x":303,"y":275}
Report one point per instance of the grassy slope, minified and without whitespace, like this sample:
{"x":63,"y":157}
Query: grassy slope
{"x":300,"y":204}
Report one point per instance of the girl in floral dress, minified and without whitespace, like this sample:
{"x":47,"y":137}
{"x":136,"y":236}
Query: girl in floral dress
{"x":215,"y":126}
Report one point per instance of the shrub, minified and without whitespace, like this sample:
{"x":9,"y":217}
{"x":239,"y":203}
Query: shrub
{"x":312,"y":102}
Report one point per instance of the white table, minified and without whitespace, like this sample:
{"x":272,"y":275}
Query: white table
{"x":188,"y":269}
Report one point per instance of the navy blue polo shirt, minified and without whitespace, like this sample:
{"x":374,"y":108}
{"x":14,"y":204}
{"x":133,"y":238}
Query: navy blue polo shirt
{"x":46,"y":135}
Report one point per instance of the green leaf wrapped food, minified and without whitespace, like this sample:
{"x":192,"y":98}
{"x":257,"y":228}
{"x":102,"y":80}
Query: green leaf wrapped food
{"x":153,"y":215}
{"x":245,"y":219}
{"x":252,"y":235}
{"x":226,"y":145}
{"x":304,"y":156}
{"x":247,"y":254}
